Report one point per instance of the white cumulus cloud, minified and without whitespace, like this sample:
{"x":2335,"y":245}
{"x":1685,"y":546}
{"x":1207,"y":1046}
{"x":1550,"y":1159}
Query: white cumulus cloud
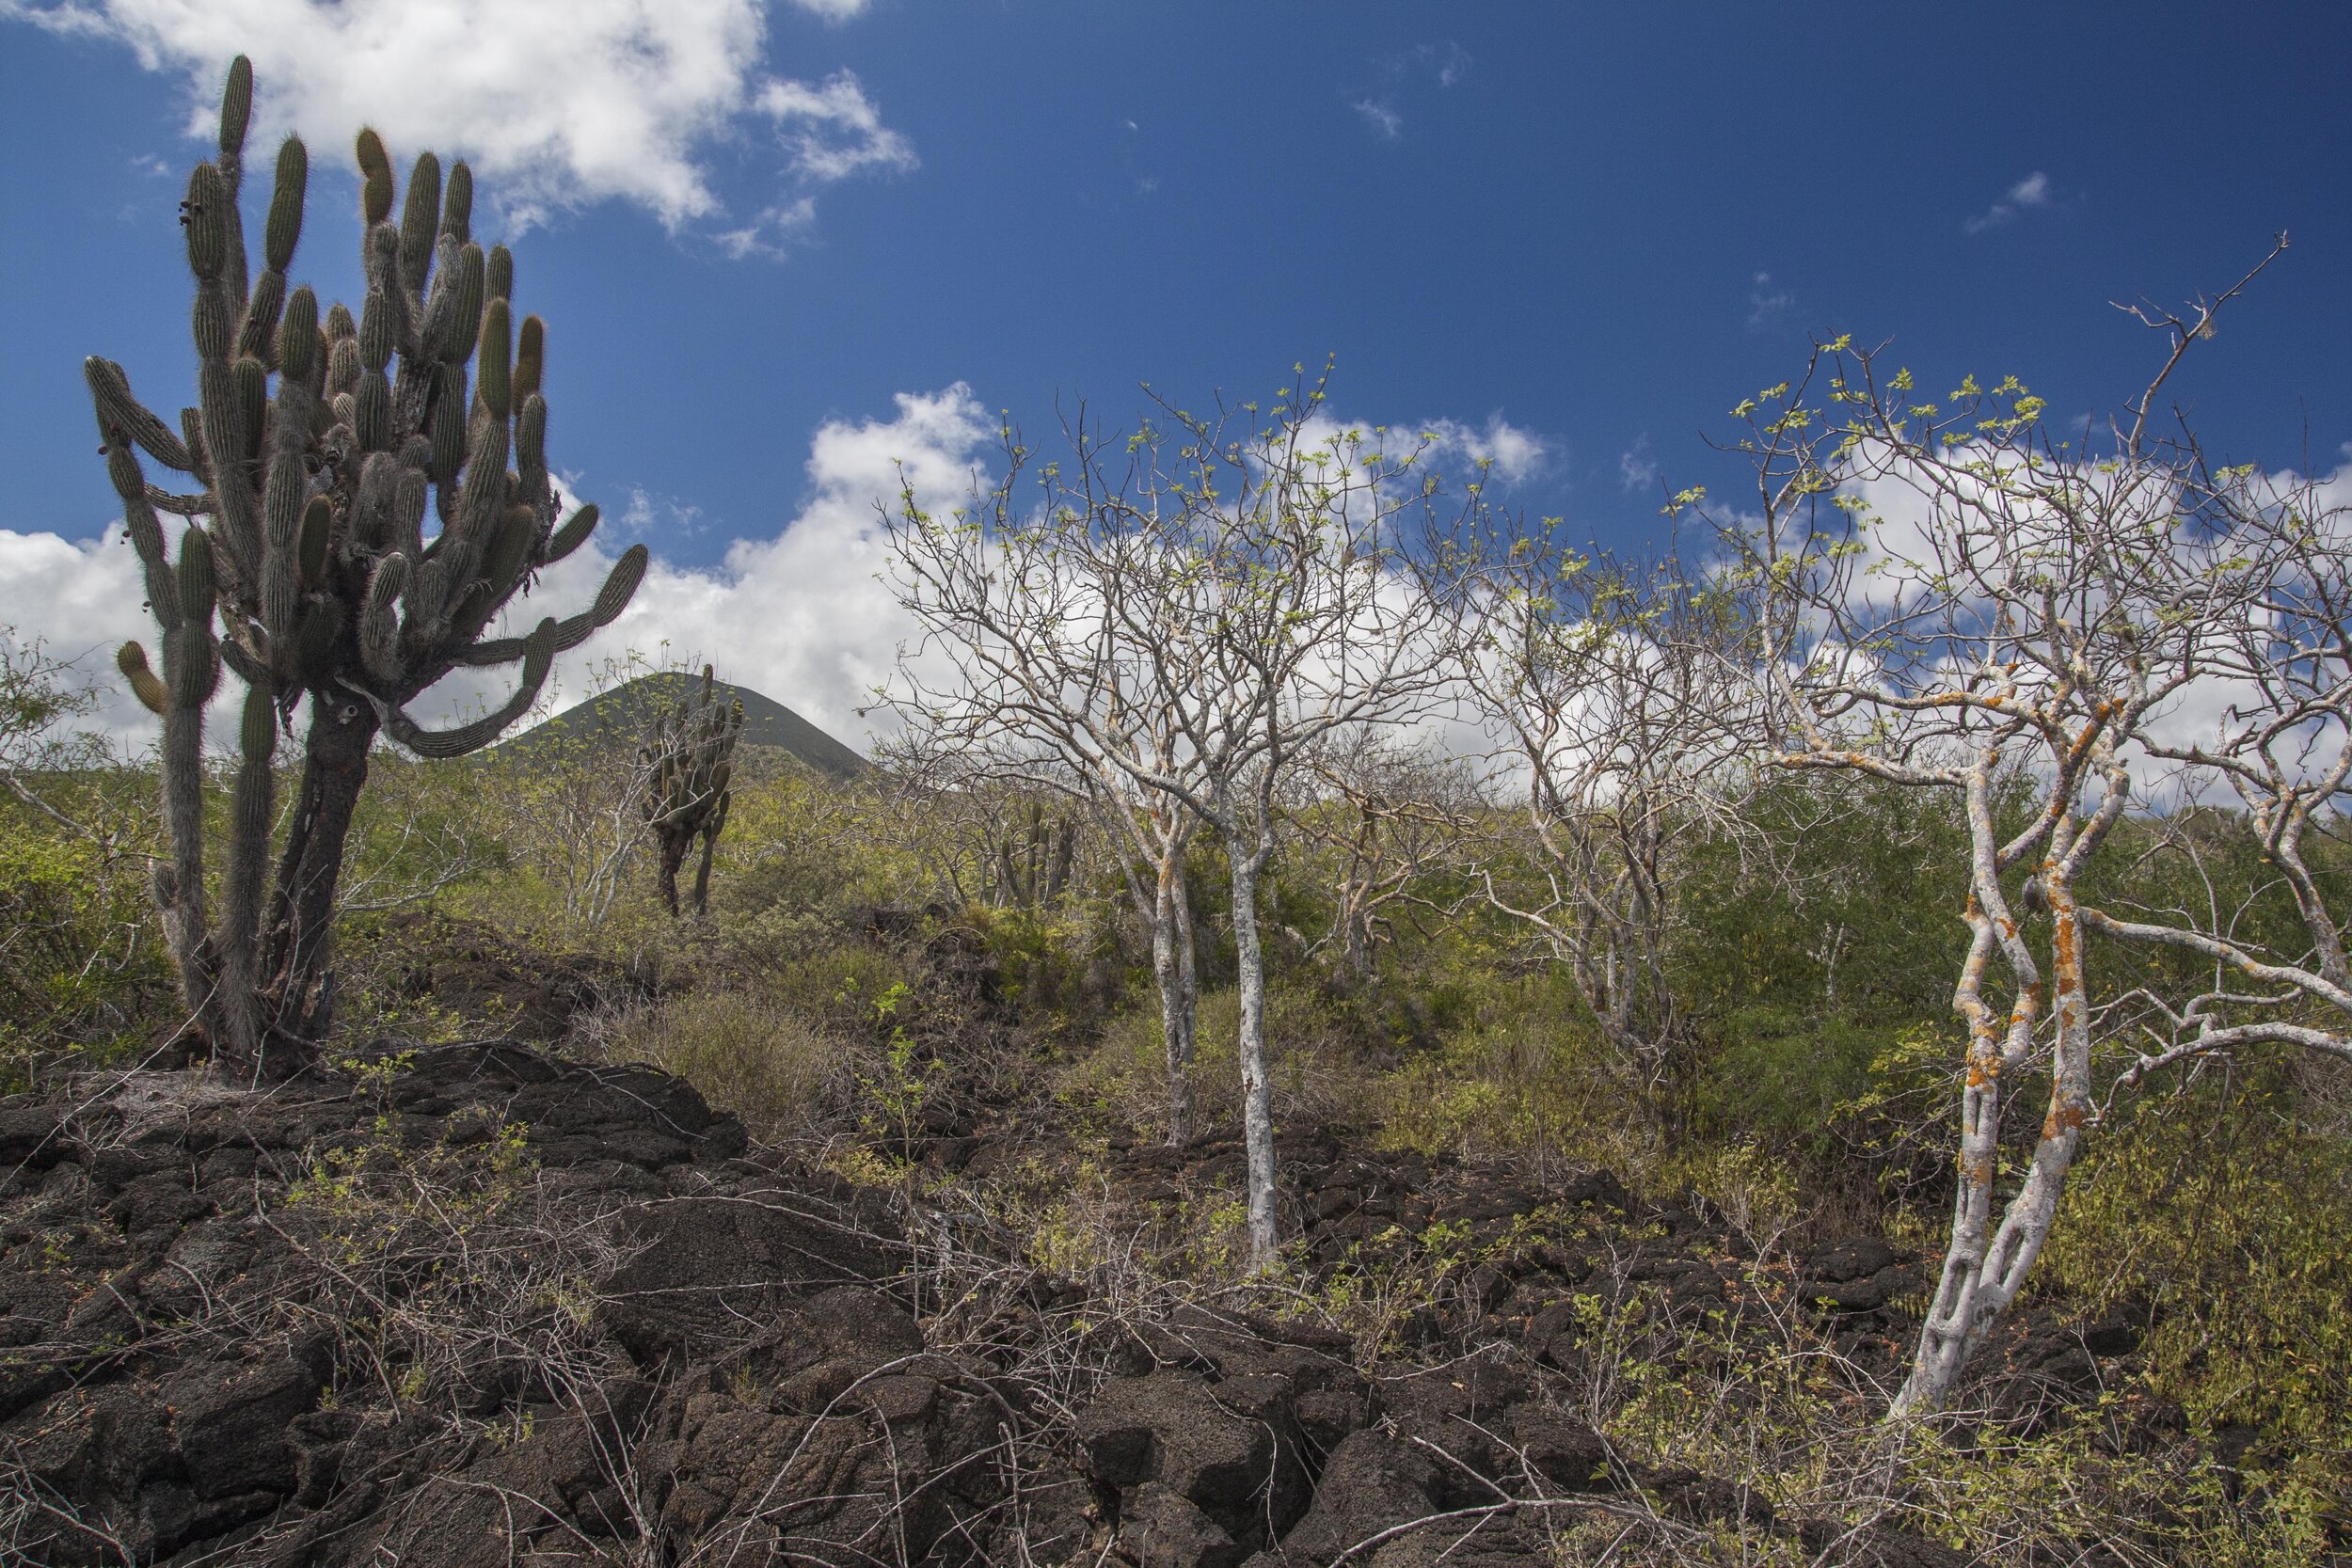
{"x":558,"y":102}
{"x":1513,"y":454}
{"x":1383,"y":118}
{"x":1637,"y":465}
{"x":834,"y":130}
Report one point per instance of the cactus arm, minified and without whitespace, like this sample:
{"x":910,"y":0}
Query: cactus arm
{"x":376,"y":177}
{"x":139,"y":523}
{"x":457,"y":203}
{"x":453,"y":310}
{"x":192,"y":438}
{"x":538,"y":654}
{"x":379,"y":621}
{"x":145,"y":684}
{"x":531,"y":448}
{"x":180,"y":505}
{"x":408,"y":504}
{"x":620,"y":584}
{"x":190,"y":673}
{"x":297,"y":521}
{"x":419,"y":257}
{"x":374,"y":522}
{"x":573,"y":534}
{"x":243,"y":664}
{"x":221,"y":400}
{"x":445,"y":426}
{"x":121,"y":415}
{"x":283,"y":504}
{"x":419,"y":219}
{"x":258,"y":336}
{"x":236,"y":114}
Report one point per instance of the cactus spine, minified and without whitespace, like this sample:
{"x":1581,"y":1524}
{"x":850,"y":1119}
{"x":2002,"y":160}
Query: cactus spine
{"x":689,"y":758}
{"x":317,"y":446}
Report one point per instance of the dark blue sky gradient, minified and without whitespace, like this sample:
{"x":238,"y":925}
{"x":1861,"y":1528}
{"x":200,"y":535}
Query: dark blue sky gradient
{"x":1569,"y":235}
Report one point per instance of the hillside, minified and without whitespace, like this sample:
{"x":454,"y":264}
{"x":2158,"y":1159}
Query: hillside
{"x":626,"y":711}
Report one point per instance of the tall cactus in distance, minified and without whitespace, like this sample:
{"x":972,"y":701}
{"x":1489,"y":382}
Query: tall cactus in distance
{"x":307,"y":539}
{"x":1032,"y":861}
{"x":689,"y":756}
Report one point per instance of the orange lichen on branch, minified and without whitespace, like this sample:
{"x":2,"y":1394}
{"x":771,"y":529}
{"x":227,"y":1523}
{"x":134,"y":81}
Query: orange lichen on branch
{"x":2065,"y":1117}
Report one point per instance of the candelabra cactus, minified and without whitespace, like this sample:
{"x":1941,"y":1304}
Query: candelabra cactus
{"x":1032,"y":863}
{"x":318,"y":448}
{"x":689,"y":756}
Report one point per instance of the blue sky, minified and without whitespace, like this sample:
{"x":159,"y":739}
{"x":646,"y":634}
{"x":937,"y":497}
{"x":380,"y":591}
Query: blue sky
{"x":1581,"y":231}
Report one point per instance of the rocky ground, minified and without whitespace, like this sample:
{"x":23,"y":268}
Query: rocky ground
{"x":485,"y":1304}
{"x":482,"y":1305}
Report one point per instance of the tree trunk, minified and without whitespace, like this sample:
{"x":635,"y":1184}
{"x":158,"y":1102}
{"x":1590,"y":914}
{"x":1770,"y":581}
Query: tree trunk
{"x":1178,"y":987}
{"x":297,"y":999}
{"x":1982,"y":1274}
{"x":1257,"y":1090}
{"x":1359,"y":944}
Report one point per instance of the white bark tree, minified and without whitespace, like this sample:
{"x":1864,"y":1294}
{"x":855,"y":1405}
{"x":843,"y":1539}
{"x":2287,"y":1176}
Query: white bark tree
{"x":1043,"y":627}
{"x":1616,"y":707}
{"x":1389,"y":817}
{"x":1313,"y":601}
{"x":1951,"y":595}
{"x":2270,"y":959}
{"x":1182,"y":617}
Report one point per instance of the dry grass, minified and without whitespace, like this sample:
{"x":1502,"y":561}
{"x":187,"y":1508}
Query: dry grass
{"x":1316,"y":1078}
{"x":792,"y":1078}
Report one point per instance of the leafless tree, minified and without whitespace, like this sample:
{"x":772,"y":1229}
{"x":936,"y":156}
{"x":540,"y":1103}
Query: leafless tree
{"x":1182,"y":617}
{"x":994,"y":825}
{"x":1610,"y":690}
{"x":1388,"y":816}
{"x":2280,"y":745}
{"x":1951,"y":595}
{"x":1040,"y":631}
{"x":41,"y":698}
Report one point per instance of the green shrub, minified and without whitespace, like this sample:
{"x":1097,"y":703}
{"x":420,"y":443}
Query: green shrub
{"x":1527,"y":1075}
{"x":2215,"y":1216}
{"x":83,"y":972}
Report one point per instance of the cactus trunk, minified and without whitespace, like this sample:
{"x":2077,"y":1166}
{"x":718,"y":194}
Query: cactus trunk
{"x":302,"y":914}
{"x":671,"y":857}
